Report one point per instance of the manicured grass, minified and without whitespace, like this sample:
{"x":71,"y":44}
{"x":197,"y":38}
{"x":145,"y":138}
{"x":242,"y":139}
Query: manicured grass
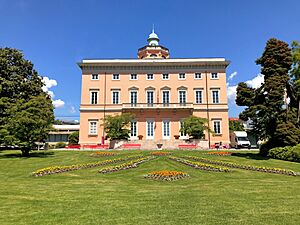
{"x":125,"y":197}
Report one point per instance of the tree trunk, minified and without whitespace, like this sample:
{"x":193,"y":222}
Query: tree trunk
{"x":25,"y":152}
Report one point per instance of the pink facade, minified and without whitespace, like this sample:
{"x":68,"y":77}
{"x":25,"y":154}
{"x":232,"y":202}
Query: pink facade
{"x":158,"y":90}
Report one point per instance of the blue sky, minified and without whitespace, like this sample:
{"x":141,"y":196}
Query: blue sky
{"x":56,"y":34}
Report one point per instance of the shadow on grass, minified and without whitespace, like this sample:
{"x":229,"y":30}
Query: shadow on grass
{"x":255,"y":156}
{"x":33,"y":154}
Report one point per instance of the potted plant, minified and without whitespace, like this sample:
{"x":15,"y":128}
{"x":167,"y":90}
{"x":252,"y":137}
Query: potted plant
{"x":140,"y":137}
{"x":176,"y":136}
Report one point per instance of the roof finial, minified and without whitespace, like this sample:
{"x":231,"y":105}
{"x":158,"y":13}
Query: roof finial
{"x":153,"y":28}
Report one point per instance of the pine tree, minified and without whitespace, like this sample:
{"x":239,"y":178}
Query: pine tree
{"x":266,"y":106}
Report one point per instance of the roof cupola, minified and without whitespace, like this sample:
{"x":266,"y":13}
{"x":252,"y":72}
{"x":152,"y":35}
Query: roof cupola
{"x":153,"y":50}
{"x":153,"y":38}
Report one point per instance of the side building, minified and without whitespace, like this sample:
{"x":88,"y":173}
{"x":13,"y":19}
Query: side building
{"x":61,"y":133}
{"x":160,"y":91}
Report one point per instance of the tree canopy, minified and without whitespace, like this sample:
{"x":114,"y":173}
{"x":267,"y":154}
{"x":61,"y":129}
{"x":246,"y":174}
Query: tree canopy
{"x":274,"y":119}
{"x":236,"y":125}
{"x":26,"y":111}
{"x":194,"y":126}
{"x":118,"y":127}
{"x":74,"y":138}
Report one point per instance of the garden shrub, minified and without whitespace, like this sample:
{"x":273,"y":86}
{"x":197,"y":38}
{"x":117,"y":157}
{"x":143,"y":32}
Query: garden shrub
{"x":287,"y":153}
{"x":51,"y":146}
{"x":74,"y":138}
{"x":60,"y":145}
{"x":265,"y":148}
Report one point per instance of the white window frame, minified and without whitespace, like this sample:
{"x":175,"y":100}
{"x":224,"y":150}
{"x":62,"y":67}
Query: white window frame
{"x":168,"y":76}
{"x":116,"y":74}
{"x":180,"y":133}
{"x":147,"y":97}
{"x":136,"y":76}
{"x":179,"y":78}
{"x":91,"y":96}
{"x":220,"y":124}
{"x":198,"y":78}
{"x":136,"y":130}
{"x":162,"y":96}
{"x":185,"y":92}
{"x":163,"y":128}
{"x":147,"y":76}
{"x":212,"y":76}
{"x":112,"y":97}
{"x":201,"y":91}
{"x":150,"y":137}
{"x":95,"y":129}
{"x":95,"y":74}
{"x":212,"y":96}
{"x":137,"y":94}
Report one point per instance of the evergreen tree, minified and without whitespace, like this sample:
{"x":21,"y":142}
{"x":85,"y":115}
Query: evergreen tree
{"x":266,"y":106}
{"x":26,"y":112}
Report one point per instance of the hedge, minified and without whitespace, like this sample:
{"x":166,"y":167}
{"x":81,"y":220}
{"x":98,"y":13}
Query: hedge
{"x":287,"y":153}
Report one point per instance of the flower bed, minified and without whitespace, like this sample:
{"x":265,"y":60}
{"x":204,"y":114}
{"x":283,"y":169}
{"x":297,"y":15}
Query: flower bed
{"x":160,"y":153}
{"x":60,"y":169}
{"x":125,"y":166}
{"x":246,"y":167}
{"x":100,"y":154}
{"x":166,"y":175}
{"x":201,"y":166}
{"x":221,"y":153}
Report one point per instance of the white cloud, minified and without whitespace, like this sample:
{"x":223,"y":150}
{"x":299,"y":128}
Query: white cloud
{"x":51,"y":94}
{"x":49,"y":83}
{"x":231,"y":76}
{"x":58,"y":103}
{"x":256,"y":82}
{"x":231,"y":93}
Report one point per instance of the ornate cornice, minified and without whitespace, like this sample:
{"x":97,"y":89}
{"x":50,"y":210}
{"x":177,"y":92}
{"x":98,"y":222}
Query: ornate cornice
{"x":145,"y":66}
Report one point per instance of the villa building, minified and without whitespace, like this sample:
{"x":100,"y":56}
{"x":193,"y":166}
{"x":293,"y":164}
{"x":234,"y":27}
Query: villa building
{"x":160,"y":91}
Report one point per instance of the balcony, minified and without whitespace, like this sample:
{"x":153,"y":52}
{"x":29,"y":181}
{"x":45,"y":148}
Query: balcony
{"x":133,"y":106}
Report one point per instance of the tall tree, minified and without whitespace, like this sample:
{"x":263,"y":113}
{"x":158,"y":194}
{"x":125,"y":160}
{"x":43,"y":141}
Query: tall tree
{"x":26,"y":111}
{"x":266,"y":106}
{"x":295,"y":72}
{"x":295,"y":81}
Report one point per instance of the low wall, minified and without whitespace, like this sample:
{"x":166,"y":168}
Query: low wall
{"x":163,"y":144}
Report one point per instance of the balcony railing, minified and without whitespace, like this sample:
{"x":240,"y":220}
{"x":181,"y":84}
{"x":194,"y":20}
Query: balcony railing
{"x":157,"y":106}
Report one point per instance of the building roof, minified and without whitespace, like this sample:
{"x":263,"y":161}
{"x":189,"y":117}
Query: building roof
{"x":67,"y":127}
{"x":233,"y":119}
{"x":173,"y":60}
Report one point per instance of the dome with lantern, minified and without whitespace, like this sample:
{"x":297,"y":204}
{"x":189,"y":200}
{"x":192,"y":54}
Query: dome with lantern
{"x":153,"y":50}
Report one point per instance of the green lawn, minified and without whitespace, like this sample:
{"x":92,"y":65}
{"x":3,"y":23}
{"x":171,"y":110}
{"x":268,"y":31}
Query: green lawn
{"x":125,"y":197}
